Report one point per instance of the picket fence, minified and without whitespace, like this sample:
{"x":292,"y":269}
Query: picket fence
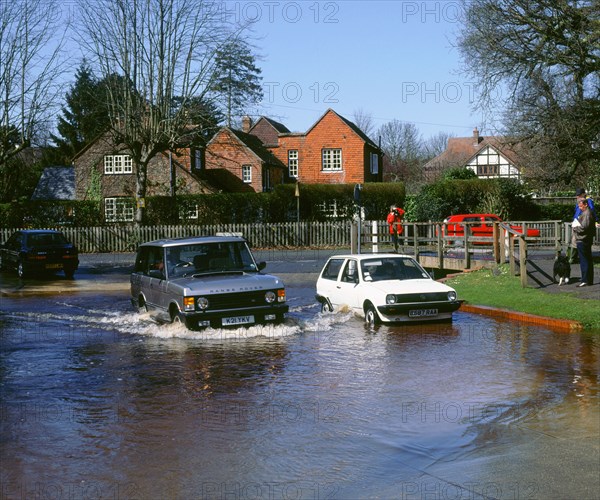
{"x":330,"y":234}
{"x":126,"y":238}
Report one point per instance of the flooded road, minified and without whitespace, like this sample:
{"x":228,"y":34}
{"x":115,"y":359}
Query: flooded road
{"x":100,"y":402}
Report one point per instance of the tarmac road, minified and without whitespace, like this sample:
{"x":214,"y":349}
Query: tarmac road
{"x":300,"y":267}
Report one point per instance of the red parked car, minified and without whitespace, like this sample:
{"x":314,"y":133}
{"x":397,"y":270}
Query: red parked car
{"x":480,"y":225}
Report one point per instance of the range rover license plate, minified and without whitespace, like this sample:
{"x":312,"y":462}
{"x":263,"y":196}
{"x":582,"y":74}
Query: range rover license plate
{"x":238,"y":320}
{"x":420,"y":313}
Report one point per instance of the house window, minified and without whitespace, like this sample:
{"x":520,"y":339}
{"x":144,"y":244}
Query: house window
{"x":189,"y":212}
{"x":118,"y":164}
{"x":374,"y":163}
{"x":247,"y":173}
{"x":197,"y":159}
{"x":118,"y":209}
{"x":487,"y":170}
{"x":332,"y":160}
{"x":293,"y":162}
{"x":329,"y":209}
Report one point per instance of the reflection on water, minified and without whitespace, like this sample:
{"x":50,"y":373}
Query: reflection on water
{"x":99,"y":402}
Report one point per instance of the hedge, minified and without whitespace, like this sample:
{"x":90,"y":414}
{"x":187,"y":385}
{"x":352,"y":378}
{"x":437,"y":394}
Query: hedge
{"x":317,"y":202}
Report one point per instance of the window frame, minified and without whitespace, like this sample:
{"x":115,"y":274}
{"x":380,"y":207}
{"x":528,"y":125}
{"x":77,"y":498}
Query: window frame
{"x":293,"y":162}
{"x":331,"y":160}
{"x":119,"y":209}
{"x":118,"y":164}
{"x":374,"y":164}
{"x":247,"y":174}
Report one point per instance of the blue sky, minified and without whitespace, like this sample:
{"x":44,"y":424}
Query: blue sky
{"x":392,"y":59}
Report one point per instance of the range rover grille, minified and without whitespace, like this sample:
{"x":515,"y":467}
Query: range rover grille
{"x":236,"y":300}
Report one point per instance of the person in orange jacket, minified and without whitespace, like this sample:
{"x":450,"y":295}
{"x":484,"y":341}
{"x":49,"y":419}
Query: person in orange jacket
{"x":394,"y":220}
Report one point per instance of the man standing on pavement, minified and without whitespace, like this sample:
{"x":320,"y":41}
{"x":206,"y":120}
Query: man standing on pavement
{"x":584,"y":229}
{"x":580,"y":193}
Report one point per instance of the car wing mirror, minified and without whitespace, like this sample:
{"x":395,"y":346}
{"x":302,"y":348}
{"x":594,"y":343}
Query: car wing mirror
{"x":156,"y":273}
{"x":262,"y":265}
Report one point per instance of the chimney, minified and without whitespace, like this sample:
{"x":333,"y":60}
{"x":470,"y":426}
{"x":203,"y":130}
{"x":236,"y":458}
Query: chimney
{"x":475,"y":137}
{"x":246,"y":123}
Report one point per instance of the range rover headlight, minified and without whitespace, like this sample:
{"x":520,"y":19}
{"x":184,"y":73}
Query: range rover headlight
{"x":202,"y":303}
{"x":390,"y":299}
{"x":452,"y":296}
{"x":270,"y":297}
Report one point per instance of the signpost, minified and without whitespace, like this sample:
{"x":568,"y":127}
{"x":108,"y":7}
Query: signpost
{"x":357,"y":201}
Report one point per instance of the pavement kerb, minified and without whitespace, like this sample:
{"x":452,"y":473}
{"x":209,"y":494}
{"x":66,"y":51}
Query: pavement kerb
{"x":560,"y":324}
{"x":496,"y":312}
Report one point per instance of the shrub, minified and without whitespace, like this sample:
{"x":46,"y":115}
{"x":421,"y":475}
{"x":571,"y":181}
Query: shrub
{"x":504,"y":197}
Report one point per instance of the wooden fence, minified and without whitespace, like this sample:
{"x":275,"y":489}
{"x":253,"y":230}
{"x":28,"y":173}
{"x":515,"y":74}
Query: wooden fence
{"x":126,"y":238}
{"x":418,"y":236}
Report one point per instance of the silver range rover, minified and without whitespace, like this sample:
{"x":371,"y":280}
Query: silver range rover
{"x":206,"y":281}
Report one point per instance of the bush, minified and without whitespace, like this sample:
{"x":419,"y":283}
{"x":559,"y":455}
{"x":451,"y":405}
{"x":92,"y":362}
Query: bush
{"x":318,"y":202}
{"x":557,"y":211}
{"x":504,"y":197}
{"x":51,"y":214}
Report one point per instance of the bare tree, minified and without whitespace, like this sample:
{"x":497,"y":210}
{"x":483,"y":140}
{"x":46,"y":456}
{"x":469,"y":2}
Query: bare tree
{"x":436,"y":144}
{"x":31,"y":39}
{"x":542,"y":57}
{"x":364,"y":121}
{"x":403,"y":146}
{"x":163,"y":52}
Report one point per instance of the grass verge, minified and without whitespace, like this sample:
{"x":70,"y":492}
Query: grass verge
{"x":496,"y":288}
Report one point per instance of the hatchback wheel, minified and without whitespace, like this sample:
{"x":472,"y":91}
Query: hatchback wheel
{"x":326,"y":307}
{"x":20,"y":269}
{"x":371,"y":316}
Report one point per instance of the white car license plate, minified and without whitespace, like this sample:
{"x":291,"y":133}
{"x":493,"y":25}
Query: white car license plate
{"x":238,"y":320}
{"x":420,"y":313}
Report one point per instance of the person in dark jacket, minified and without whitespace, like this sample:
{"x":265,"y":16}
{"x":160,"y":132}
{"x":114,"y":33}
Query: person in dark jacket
{"x":580,"y":193}
{"x":584,"y":228}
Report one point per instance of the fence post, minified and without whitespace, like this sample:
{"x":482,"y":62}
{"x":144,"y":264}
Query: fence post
{"x":354,"y":238}
{"x":511,"y":253}
{"x":440,"y":246}
{"x":375,"y":237}
{"x":416,"y":240}
{"x":523,"y":260}
{"x":557,"y":236}
{"x":496,"y":241}
{"x":467,"y":247}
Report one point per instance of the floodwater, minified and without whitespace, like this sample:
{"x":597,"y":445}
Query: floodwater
{"x":100,"y":402}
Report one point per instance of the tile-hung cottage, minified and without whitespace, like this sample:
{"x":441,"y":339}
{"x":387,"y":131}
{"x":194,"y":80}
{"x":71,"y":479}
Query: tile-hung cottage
{"x":238,"y":162}
{"x":488,"y":157}
{"x":105,"y":171}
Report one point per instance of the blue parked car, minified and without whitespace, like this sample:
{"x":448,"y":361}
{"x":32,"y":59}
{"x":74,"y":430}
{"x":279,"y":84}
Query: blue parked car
{"x":34,"y":252}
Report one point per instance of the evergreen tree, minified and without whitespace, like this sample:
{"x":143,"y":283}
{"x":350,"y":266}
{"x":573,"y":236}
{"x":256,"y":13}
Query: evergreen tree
{"x":237,"y":83}
{"x":84,"y":117}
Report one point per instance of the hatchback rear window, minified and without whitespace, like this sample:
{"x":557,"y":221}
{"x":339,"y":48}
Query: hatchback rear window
{"x":47,"y":239}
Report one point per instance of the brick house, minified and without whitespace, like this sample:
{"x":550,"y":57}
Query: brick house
{"x":333,"y":151}
{"x":489,"y":157}
{"x":238,"y":161}
{"x":105,"y":171}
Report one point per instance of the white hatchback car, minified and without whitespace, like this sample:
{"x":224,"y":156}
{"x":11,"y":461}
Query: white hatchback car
{"x":386,"y":288}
